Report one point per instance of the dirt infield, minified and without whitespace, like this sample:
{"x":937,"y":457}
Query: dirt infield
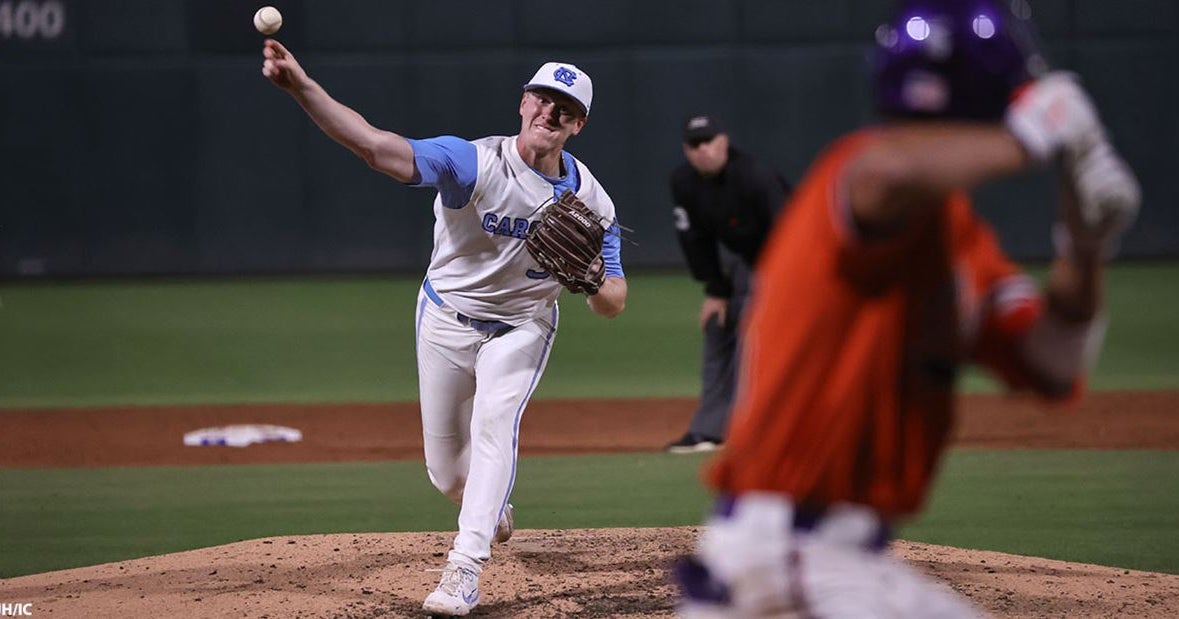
{"x":568,"y":573}
{"x":601,"y":573}
{"x":146,"y":436}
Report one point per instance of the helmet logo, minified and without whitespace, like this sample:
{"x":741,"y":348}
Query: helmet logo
{"x":565,"y":76}
{"x":925,"y":91}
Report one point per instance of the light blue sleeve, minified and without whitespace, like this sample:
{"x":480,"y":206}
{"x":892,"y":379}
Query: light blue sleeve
{"x":448,"y":164}
{"x":612,"y":251}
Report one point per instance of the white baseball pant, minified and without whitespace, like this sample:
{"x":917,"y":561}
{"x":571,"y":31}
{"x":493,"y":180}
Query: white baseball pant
{"x":474,"y":387}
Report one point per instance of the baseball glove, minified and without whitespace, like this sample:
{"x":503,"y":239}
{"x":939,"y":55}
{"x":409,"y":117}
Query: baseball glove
{"x":567,"y":242}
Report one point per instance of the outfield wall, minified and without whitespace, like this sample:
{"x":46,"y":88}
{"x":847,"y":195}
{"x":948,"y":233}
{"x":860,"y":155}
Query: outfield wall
{"x":138,"y":136}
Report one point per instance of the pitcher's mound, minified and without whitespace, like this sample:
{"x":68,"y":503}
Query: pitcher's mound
{"x":539,"y":573}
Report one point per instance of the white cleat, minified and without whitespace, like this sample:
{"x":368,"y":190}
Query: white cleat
{"x":457,"y":593}
{"x":506,"y":525}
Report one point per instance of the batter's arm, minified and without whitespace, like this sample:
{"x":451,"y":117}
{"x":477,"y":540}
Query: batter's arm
{"x":915,"y":165}
{"x":611,"y":298}
{"x":912,"y":165}
{"x":1066,"y":341}
{"x":382,"y":150}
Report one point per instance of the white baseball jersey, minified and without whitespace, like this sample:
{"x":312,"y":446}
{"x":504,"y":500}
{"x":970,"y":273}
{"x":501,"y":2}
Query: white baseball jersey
{"x":485,"y":321}
{"x":487,"y":201}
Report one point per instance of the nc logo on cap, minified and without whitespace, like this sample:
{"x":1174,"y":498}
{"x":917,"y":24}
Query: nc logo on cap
{"x":565,"y":76}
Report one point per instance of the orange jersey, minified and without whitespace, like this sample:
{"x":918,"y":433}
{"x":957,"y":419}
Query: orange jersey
{"x":852,"y":347}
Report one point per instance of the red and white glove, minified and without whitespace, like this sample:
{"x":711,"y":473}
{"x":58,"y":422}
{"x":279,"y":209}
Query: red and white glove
{"x":1055,"y":116}
{"x":1052,"y":114}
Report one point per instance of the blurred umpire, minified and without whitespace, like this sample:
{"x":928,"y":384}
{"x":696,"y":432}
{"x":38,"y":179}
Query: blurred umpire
{"x":725,"y":204}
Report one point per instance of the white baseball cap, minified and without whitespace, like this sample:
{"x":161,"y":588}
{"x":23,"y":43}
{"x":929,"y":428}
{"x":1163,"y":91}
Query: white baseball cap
{"x":566,"y":78}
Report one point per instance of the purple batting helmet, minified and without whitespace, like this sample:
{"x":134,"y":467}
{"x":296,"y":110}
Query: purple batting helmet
{"x":954,"y":58}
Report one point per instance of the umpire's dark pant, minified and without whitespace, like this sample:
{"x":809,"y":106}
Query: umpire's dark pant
{"x":718,"y":371}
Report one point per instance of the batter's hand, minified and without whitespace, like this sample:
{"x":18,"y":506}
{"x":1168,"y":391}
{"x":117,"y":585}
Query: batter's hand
{"x":1100,"y":200}
{"x":1054,"y":113}
{"x":280,"y":66}
{"x":714,"y":306}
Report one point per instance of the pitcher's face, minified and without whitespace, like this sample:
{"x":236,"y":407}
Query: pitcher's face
{"x":549,"y":118}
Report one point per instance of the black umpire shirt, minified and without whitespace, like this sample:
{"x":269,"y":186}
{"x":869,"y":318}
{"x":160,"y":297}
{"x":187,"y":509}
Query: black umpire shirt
{"x":735,"y":207}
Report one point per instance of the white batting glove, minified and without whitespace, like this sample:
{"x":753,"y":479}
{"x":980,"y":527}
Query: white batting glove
{"x":1102,"y":200}
{"x":1054,"y":113}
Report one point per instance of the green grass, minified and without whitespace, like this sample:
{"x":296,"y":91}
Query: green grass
{"x":1142,"y":350}
{"x":351,"y":340}
{"x":180,"y":343}
{"x":1116,"y":508}
{"x":95,"y":344}
{"x":60,"y":518}
{"x":347,"y":340}
{"x":1111,"y":508}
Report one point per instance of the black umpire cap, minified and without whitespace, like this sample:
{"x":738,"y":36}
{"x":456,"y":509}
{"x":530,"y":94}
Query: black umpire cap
{"x":701,"y":128}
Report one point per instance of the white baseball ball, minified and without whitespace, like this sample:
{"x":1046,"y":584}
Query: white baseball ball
{"x":268,"y":20}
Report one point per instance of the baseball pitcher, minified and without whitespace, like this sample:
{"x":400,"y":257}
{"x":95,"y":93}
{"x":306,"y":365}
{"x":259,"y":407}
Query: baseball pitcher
{"x":516,"y":220}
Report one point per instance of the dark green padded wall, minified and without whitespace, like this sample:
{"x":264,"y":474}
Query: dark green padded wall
{"x":142,"y":139}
